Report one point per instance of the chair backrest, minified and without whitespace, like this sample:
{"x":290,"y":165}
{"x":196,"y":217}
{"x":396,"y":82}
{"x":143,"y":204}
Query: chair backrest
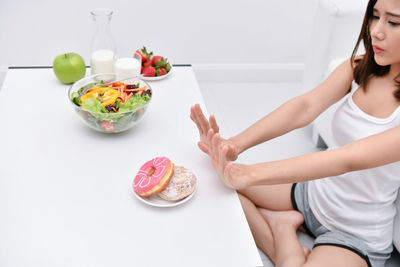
{"x":337,"y":25}
{"x":336,"y":29}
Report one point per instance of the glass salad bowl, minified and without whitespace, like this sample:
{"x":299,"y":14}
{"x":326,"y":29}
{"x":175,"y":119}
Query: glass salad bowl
{"x":108,"y":105}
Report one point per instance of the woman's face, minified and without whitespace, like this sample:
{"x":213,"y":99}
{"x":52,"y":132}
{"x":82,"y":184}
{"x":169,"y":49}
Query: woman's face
{"x":385,"y":32}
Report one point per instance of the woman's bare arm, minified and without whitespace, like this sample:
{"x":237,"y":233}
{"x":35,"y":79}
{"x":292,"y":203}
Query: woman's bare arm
{"x":373,"y":151}
{"x":297,"y":112}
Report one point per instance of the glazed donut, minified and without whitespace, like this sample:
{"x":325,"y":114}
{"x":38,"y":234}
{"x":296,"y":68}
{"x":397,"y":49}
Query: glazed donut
{"x":153,"y":176}
{"x":182,"y":184}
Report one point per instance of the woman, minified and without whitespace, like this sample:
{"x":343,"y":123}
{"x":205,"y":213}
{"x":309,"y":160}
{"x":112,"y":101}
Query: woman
{"x":351,"y":211}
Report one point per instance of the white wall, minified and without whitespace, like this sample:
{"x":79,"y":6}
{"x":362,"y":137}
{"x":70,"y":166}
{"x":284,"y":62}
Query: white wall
{"x":196,"y":32}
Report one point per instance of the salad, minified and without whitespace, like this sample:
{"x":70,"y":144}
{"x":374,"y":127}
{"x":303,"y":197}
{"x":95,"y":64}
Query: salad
{"x":111,"y":107}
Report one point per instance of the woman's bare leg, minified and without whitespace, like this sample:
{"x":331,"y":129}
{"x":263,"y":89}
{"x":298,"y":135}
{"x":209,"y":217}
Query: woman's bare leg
{"x":259,"y":228}
{"x":290,"y":253}
{"x":288,"y":250}
{"x":274,"y":197}
{"x":271,"y":197}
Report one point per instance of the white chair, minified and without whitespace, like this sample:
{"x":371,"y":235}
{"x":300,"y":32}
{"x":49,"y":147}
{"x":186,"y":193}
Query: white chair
{"x":337,"y":26}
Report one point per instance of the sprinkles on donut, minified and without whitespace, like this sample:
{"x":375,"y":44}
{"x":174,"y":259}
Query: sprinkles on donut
{"x":181,"y":185}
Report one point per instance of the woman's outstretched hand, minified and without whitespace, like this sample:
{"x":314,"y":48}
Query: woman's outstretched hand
{"x":206,"y":129}
{"x":233,"y":175}
{"x":221,"y":151}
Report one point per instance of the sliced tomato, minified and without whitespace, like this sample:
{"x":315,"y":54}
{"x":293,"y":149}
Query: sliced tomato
{"x":108,"y":126}
{"x":116,"y":84}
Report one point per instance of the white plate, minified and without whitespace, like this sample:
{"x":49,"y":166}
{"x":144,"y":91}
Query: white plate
{"x":156,"y":78}
{"x":157,"y":201}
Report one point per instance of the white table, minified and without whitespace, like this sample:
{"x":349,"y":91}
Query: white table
{"x":65,"y":196}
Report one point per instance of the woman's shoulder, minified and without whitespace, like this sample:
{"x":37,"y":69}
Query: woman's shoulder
{"x":344,"y":71}
{"x":335,"y":86}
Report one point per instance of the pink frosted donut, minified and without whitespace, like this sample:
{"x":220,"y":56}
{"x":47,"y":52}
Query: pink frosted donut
{"x":153,"y":176}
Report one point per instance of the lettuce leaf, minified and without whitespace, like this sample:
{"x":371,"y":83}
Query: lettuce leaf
{"x":75,"y":98}
{"x":100,"y":113}
{"x":93,"y":105}
{"x":133,"y":103}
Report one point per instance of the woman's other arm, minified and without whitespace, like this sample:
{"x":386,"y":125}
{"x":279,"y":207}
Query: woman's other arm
{"x":373,"y":151}
{"x":297,"y":112}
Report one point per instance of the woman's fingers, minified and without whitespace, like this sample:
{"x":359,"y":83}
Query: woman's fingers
{"x":210,"y":135}
{"x":193,"y":117}
{"x":225,"y":166}
{"x":203,"y":147}
{"x":203,"y":125}
{"x":219,"y":153}
{"x":232,"y":155}
{"x":222,"y":158}
{"x":213,"y":141}
{"x":219,"y":156}
{"x":214,"y":145}
{"x":213,"y":124}
{"x":203,"y":122}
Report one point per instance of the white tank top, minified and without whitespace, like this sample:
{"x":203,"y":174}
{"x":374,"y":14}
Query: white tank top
{"x":360,"y":202}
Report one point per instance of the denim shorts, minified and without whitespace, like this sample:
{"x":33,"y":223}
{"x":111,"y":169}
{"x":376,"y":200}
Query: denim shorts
{"x":323,"y":236}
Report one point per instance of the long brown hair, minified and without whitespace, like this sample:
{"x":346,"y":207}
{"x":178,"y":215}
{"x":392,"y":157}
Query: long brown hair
{"x":365,"y":67}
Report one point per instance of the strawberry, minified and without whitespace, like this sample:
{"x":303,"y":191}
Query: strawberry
{"x":158,"y":61}
{"x":144,"y":54}
{"x":149,"y":71}
{"x":161,"y":72}
{"x":147,"y":63}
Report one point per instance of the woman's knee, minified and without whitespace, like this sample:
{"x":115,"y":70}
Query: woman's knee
{"x":242,"y":192}
{"x":272,"y":197}
{"x":243,"y":198}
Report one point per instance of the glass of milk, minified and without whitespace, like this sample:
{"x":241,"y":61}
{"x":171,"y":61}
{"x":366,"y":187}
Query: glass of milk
{"x":102,"y":61}
{"x":128,"y":67}
{"x":103,"y":51}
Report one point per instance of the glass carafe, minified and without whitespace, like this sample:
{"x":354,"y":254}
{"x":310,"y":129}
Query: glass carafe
{"x":103,"y":50}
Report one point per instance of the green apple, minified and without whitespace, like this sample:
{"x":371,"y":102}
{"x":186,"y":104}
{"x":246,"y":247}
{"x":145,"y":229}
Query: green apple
{"x":69,"y":67}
